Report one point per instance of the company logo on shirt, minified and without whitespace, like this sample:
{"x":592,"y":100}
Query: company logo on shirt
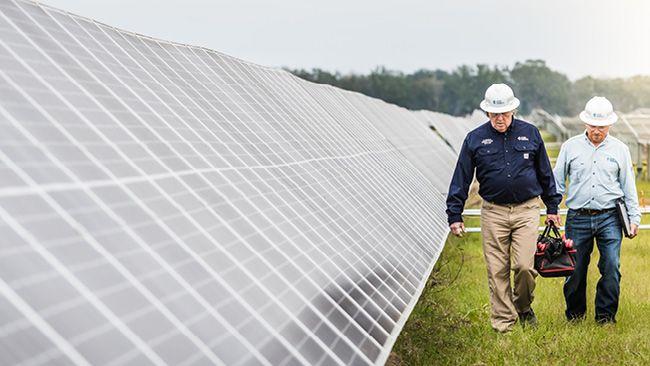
{"x":611,"y":160}
{"x":522,"y":138}
{"x":487,"y":141}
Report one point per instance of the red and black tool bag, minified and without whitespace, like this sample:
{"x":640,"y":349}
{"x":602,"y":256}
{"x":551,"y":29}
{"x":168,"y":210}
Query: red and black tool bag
{"x":555,"y":255}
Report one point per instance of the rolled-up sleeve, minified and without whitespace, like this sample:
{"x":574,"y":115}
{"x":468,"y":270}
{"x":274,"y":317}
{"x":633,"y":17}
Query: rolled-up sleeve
{"x":459,"y":186}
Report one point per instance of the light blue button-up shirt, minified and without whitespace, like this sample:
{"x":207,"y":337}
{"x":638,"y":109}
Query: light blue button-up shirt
{"x":598,"y":176}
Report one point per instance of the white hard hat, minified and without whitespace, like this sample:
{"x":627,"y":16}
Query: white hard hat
{"x":598,"y":112}
{"x":499,"y":98}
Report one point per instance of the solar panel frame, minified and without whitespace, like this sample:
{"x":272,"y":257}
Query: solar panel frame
{"x":200,"y":208}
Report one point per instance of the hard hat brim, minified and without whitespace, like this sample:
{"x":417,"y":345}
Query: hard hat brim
{"x":505,"y":108}
{"x":586,"y":118}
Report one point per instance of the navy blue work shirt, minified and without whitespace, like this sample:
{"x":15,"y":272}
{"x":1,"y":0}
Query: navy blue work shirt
{"x":511,"y":167}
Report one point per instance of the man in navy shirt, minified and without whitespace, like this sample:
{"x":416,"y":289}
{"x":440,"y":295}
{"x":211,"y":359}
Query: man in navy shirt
{"x":513,"y":171}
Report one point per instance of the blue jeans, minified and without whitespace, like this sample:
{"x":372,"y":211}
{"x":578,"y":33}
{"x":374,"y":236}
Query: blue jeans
{"x":583,"y":229}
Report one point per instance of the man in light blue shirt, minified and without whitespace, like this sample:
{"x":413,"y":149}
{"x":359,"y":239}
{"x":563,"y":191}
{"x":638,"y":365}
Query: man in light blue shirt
{"x":599,"y":172}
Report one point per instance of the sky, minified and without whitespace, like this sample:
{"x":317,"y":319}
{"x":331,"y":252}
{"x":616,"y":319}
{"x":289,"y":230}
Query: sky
{"x":578,"y":38}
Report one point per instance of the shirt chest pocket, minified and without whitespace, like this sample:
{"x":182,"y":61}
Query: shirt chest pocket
{"x":525,"y":152}
{"x":609,"y":167}
{"x":487,"y":157}
{"x":577,"y":171}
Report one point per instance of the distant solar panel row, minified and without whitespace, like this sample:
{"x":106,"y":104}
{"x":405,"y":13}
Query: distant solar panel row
{"x":167,"y":204}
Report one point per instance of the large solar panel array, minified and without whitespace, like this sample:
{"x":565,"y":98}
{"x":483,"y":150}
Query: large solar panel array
{"x":550,"y":123}
{"x":453,"y":129}
{"x":167,"y":204}
{"x":639,"y":123}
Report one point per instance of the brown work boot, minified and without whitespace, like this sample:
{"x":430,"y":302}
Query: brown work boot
{"x":528,"y":318}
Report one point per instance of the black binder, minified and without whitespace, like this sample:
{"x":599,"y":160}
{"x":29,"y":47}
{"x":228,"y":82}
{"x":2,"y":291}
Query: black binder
{"x":622,"y":217}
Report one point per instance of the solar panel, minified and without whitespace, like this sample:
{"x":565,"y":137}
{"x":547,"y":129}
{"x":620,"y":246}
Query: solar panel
{"x":167,"y":204}
{"x":453,"y":129}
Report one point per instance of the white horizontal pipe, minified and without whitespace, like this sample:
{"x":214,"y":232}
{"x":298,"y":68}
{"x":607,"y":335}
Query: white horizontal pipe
{"x":563,"y":211}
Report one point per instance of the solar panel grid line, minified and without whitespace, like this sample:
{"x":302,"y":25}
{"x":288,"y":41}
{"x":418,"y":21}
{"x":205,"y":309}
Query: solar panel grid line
{"x":352,"y":120}
{"x":415,"y":230}
{"x":402,"y":133}
{"x":361,"y":106}
{"x":328,"y":126}
{"x":300,"y":167}
{"x":384,"y":355}
{"x":393,"y":148}
{"x":110,"y":258}
{"x":410,"y":188}
{"x":46,"y":358}
{"x":1,"y":73}
{"x":32,"y":316}
{"x":27,"y":236}
{"x":54,"y":187}
{"x":262,"y":79}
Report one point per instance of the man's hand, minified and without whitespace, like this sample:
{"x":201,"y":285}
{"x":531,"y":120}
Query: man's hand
{"x":457,"y":228}
{"x":634,"y":230}
{"x":556,"y":219}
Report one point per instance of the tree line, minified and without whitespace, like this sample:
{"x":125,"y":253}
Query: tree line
{"x":458,"y":92}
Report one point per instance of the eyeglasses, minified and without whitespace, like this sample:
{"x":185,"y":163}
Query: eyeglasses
{"x":496,"y":115}
{"x":599,"y":128}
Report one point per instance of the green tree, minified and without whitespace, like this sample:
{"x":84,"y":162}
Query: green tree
{"x":459,"y":92}
{"x":537,"y":86}
{"x":465,"y":87}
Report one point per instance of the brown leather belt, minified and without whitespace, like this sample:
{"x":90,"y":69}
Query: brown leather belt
{"x":592,"y":212}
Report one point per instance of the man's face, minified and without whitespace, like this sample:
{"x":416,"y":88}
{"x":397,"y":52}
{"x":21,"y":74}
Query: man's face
{"x":500,"y":121}
{"x":597,"y":134}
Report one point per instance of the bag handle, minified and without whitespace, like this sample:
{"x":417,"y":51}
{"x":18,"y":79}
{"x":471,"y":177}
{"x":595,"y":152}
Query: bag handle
{"x":551,"y":227}
{"x":546,"y":231}
{"x":556,"y":231}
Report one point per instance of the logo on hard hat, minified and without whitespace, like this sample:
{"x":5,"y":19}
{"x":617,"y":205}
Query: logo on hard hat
{"x":598,"y":112}
{"x":499,"y":98}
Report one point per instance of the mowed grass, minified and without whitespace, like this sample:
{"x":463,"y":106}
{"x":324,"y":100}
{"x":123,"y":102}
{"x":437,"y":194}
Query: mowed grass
{"x":450,"y":324}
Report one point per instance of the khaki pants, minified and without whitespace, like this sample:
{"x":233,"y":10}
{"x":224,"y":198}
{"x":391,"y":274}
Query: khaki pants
{"x":509,"y":241}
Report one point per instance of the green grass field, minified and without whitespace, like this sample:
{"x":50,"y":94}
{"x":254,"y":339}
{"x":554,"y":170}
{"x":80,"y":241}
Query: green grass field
{"x":450,"y":324}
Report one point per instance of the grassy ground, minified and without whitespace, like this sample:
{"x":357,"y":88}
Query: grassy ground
{"x":450,"y":324}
